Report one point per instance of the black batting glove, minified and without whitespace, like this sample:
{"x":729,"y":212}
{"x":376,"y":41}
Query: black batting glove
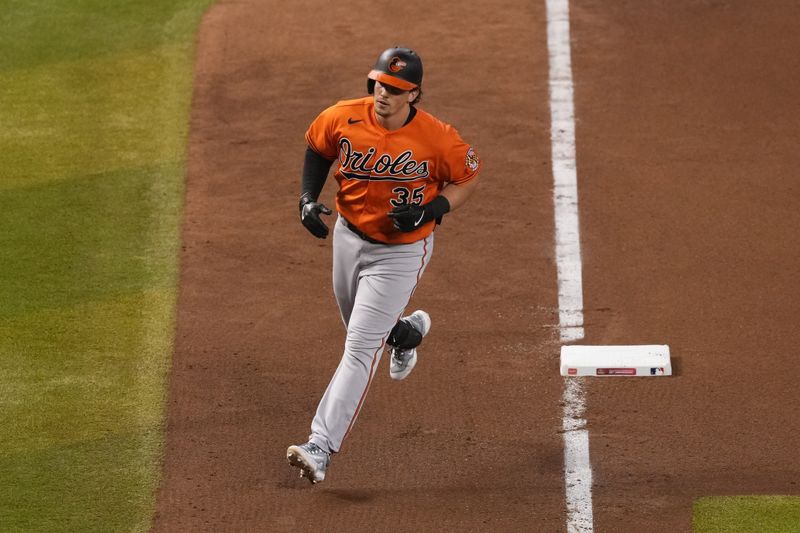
{"x":409,"y":217}
{"x":309,"y":216}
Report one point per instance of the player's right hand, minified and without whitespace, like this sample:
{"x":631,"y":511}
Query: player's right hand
{"x":309,"y":216}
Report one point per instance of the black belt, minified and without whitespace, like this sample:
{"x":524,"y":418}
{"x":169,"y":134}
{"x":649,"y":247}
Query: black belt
{"x":358,"y":232}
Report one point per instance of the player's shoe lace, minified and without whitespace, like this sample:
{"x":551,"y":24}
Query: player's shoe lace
{"x":403,"y":360}
{"x":310,"y":459}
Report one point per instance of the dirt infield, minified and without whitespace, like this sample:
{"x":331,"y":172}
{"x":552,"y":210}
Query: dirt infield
{"x":687,"y":155}
{"x":686,"y":135}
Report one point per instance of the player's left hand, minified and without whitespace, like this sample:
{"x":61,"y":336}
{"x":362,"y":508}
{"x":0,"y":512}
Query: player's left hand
{"x":409,"y":217}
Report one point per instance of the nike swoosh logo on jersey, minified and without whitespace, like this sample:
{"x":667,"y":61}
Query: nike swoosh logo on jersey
{"x":351,"y":121}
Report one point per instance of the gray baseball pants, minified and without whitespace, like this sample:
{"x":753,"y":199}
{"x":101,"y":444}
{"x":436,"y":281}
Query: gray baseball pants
{"x":372,"y":284}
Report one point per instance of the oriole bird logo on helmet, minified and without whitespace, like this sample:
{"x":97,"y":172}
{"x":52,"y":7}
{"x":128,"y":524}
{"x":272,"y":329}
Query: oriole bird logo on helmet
{"x":397,"y":64}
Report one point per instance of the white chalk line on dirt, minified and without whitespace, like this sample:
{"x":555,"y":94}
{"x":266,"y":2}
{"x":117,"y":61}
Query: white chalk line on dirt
{"x":577,"y":466}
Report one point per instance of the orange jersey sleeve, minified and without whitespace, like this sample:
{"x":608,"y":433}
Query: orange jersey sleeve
{"x":459,"y":162}
{"x":321,"y":135}
{"x":379,"y":169}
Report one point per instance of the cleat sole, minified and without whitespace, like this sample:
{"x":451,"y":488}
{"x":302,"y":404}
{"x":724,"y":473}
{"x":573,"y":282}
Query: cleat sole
{"x":306,"y":471}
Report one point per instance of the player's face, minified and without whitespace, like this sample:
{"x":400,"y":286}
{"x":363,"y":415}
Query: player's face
{"x":389,"y":100}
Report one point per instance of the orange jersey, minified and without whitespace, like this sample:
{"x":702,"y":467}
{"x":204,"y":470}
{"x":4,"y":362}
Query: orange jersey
{"x":380,"y":169}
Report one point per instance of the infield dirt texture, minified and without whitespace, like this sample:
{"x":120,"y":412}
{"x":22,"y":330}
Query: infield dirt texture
{"x":687,"y":146}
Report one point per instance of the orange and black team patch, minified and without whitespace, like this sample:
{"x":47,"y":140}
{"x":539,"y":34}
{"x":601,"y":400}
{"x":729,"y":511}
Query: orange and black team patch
{"x":472,"y":160}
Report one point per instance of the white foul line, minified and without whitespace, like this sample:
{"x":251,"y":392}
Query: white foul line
{"x":577,"y":467}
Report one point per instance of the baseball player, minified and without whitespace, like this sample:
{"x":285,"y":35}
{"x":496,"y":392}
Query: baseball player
{"x":400,"y":170}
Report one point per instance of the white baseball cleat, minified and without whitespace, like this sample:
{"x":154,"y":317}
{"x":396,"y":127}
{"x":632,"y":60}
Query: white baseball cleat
{"x":310,"y":459}
{"x":404,"y":360}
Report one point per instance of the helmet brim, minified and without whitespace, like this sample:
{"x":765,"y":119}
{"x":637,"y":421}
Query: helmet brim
{"x":386,"y":79}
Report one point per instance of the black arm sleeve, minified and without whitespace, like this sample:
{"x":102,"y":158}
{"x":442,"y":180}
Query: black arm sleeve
{"x":315,"y":172}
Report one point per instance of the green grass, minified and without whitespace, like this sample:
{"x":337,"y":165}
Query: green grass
{"x":747,"y":514}
{"x":92,"y":146}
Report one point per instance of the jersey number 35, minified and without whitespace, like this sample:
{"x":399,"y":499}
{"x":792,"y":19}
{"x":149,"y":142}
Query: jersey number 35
{"x":407,"y":196}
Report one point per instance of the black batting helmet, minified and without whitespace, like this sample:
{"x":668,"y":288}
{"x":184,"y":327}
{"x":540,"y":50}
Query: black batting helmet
{"x":398,"y":67}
